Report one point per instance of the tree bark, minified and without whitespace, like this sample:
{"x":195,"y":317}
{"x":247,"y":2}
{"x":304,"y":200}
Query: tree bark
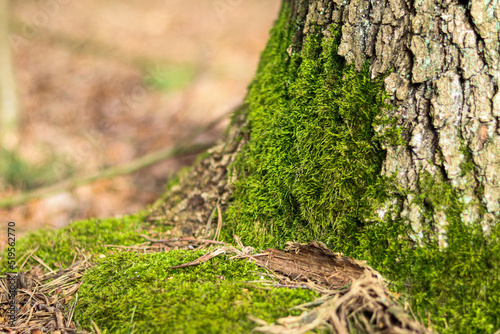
{"x":444,"y":57}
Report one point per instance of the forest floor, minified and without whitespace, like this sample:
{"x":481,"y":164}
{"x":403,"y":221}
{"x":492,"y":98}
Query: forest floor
{"x":104,"y":82}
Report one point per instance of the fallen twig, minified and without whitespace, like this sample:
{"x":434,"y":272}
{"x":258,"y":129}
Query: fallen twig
{"x":182,"y":240}
{"x":204,"y":258}
{"x":219,"y":223}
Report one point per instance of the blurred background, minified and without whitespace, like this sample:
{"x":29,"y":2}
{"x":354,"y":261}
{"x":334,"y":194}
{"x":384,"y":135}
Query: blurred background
{"x":102,"y":82}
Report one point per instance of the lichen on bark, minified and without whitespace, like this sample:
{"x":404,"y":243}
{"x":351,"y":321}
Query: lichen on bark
{"x":445,"y":85}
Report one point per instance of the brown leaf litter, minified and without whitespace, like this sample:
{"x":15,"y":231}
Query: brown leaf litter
{"x":44,"y":302}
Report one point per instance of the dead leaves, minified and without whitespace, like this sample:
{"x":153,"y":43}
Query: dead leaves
{"x":46,"y":302}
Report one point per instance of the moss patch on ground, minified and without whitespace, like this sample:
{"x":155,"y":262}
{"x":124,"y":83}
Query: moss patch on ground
{"x":138,"y":293}
{"x":91,"y":236}
{"x":311,"y":171}
{"x":59,"y":247}
{"x":127,"y":292}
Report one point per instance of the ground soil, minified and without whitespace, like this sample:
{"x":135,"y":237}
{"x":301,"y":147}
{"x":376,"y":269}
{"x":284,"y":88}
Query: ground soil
{"x":81,"y":69}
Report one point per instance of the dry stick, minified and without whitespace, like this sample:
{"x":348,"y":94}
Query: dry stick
{"x":219,"y":223}
{"x":124,"y":169}
{"x":59,"y":319}
{"x":258,"y":321}
{"x":209,"y":223}
{"x":72,"y":311}
{"x":96,"y":328}
{"x":250,"y":256}
{"x":201,"y":259}
{"x":181,"y":239}
{"x":39,"y":260}
{"x":30,"y":315}
{"x":32,"y":307}
{"x":28,"y":256}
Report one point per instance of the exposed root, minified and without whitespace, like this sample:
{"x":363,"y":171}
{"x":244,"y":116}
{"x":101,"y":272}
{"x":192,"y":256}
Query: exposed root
{"x":354,"y":296}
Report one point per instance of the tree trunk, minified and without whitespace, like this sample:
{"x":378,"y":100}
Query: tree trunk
{"x":372,"y":126}
{"x":8,"y":95}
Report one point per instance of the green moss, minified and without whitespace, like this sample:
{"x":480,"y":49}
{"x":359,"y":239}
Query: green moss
{"x":138,"y":293}
{"x":91,"y":236}
{"x":312,"y":163}
{"x":456,"y":287}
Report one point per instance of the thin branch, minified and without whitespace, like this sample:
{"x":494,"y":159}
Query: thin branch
{"x":124,"y":169}
{"x":182,"y":239}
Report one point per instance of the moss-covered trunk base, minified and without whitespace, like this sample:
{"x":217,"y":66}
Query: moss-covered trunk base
{"x":330,"y":155}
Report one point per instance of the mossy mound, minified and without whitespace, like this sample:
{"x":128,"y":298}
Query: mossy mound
{"x":311,"y":170}
{"x":312,"y":163}
{"x":138,"y":293}
{"x":59,"y":247}
{"x":127,"y":292}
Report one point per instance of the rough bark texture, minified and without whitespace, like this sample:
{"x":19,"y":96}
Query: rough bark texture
{"x":444,"y":57}
{"x":444,"y":82}
{"x":192,"y":202}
